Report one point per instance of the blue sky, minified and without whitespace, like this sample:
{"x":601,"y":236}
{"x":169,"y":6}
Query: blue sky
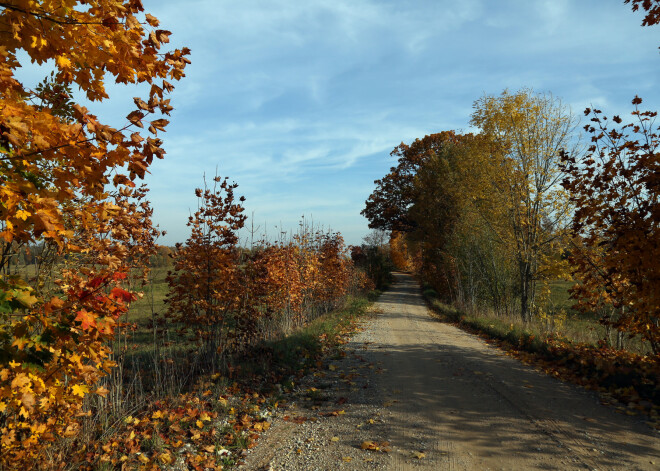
{"x":300,"y":103}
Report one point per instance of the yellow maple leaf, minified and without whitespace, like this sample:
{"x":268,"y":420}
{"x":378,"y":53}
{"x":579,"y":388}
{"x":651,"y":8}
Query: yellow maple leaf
{"x":79,"y":389}
{"x":22,"y":214}
{"x":20,"y":381}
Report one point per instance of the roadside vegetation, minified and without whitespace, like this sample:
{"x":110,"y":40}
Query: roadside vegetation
{"x":117,"y":353}
{"x":193,"y":382}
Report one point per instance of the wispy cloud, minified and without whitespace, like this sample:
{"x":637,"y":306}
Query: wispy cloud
{"x":301,"y":102}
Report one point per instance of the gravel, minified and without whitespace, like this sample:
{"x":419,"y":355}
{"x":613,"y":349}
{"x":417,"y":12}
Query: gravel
{"x":333,"y":412}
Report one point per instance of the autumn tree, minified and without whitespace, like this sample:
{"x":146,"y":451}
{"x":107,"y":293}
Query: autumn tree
{"x":387,"y":206}
{"x":334,"y":267}
{"x":372,"y":257}
{"x":204,"y":284}
{"x":436,"y":210}
{"x":399,"y":252}
{"x":524,"y":204}
{"x":433,"y":189}
{"x":67,"y":182}
{"x":615,"y":187}
{"x":273,"y":282}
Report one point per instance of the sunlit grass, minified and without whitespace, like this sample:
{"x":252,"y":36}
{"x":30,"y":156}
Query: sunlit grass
{"x":560,"y":319}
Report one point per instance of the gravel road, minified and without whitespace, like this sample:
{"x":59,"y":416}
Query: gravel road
{"x":430,"y":396}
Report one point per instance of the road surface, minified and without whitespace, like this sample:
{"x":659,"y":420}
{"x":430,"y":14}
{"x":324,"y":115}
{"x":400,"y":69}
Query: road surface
{"x":444,"y":399}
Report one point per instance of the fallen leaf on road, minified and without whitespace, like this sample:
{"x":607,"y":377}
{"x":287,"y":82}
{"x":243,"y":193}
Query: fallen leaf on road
{"x":334,"y":439}
{"x":369,"y":445}
{"x":376,"y":446}
{"x":418,"y":454}
{"x":333,"y":413}
{"x":347,"y":459}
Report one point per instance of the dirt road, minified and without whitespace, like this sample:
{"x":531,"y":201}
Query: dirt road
{"x":444,"y":399}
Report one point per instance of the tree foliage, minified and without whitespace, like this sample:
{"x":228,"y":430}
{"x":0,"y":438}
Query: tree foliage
{"x":227,"y":298}
{"x":204,"y":283}
{"x":482,"y":217}
{"x":651,"y":7}
{"x":67,"y":184}
{"x":615,"y":187}
{"x":524,"y":203}
{"x":387,"y":206}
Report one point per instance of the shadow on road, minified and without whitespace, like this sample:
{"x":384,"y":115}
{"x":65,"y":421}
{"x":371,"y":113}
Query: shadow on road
{"x":444,"y":386}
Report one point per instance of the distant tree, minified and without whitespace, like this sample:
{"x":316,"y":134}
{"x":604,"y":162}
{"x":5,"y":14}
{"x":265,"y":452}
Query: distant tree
{"x":387,"y":206}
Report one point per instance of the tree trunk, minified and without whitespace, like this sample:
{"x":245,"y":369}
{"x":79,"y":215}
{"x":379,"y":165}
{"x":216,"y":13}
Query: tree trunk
{"x":526,"y":291}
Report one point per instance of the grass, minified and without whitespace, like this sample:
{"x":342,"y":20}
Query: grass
{"x":153,"y":299}
{"x":559,"y":295}
{"x":560,"y":319}
{"x":494,"y":327}
{"x":296,"y":354}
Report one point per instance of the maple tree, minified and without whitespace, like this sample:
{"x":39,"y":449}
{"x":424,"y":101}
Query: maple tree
{"x":59,"y":163}
{"x":204,"y":282}
{"x":615,"y":187}
{"x":231,"y":298}
{"x":301,"y":278}
{"x":399,"y":252}
{"x":334,"y":269}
